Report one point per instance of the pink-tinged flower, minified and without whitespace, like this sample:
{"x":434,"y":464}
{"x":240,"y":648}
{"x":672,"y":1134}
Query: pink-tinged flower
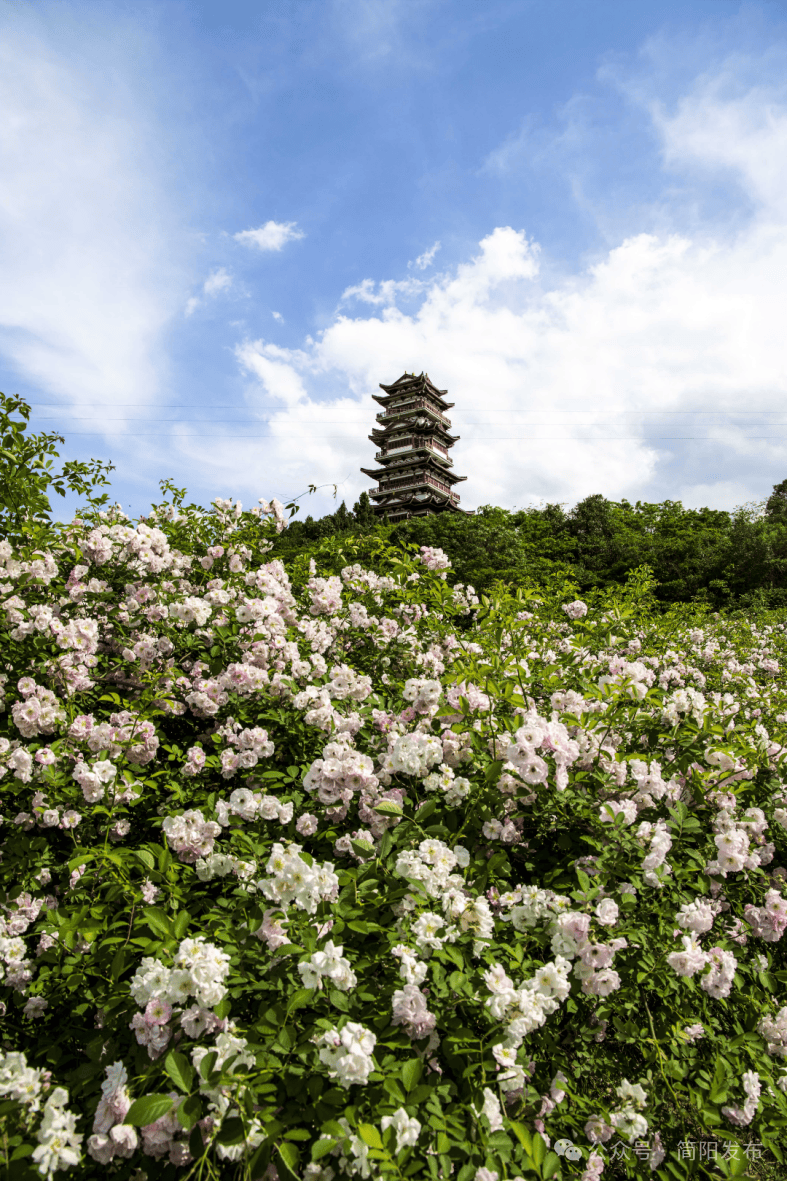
{"x":594,"y":1169}
{"x":306,"y":824}
{"x":158,"y":1012}
{"x":36,"y":1007}
{"x":76,"y":874}
{"x":602,"y":983}
{"x":597,"y":1130}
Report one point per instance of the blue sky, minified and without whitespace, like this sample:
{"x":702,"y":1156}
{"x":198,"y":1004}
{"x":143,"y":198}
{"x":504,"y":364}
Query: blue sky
{"x":222,"y":224}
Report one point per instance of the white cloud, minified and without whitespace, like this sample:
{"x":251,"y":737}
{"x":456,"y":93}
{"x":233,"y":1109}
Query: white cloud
{"x":274,"y":369}
{"x":92,"y":262}
{"x":216,"y":282}
{"x":426,"y":259}
{"x":383,"y":293}
{"x":272,"y":236}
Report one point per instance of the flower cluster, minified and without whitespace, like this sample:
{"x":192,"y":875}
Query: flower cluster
{"x":190,"y":835}
{"x":718,"y":966}
{"x":330,"y":964}
{"x":111,"y":1136}
{"x":294,"y":879}
{"x":199,"y":969}
{"x":347,"y":1053}
{"x":57,"y":1140}
{"x":543,"y":817}
{"x":742,"y":1115}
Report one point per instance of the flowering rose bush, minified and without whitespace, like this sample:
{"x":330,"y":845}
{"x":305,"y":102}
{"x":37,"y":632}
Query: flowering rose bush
{"x":331,"y":872}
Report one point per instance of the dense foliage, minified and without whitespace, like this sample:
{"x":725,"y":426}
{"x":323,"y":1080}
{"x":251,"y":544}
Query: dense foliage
{"x":342,"y":866}
{"x":27,"y":472}
{"x":736,"y":559}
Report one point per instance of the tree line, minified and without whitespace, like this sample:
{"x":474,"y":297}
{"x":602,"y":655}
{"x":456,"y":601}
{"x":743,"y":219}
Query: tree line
{"x":732,"y":559}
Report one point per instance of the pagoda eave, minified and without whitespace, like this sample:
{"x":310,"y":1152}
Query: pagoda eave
{"x":408,"y":383}
{"x":428,"y":465}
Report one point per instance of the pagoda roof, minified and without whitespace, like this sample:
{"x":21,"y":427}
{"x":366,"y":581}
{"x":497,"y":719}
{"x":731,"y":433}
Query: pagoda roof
{"x":379,"y":435}
{"x":402,"y":456}
{"x":414,"y":506}
{"x":432,"y":496}
{"x":431,"y":465}
{"x":411,"y":383}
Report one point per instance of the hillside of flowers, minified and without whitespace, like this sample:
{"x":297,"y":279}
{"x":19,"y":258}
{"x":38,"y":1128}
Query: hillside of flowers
{"x":339,"y":871}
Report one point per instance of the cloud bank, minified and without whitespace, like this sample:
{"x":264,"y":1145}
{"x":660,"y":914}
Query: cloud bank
{"x":589,"y":382}
{"x":92,"y":272}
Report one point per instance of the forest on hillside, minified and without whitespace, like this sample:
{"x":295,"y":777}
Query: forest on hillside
{"x":724,"y":559}
{"x":733,"y":559}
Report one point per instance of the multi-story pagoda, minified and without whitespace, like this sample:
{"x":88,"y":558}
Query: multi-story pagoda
{"x":415,"y":477}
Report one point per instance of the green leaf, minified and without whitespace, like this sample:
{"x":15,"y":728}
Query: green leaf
{"x":157,"y":920}
{"x":370,"y":1135}
{"x":207,"y":1064}
{"x":118,"y":963}
{"x":179,"y":1070}
{"x":231,"y":1131}
{"x":394,"y":1090}
{"x":196,"y":1147}
{"x":181,"y":924}
{"x":288,"y":1156}
{"x":551,"y":1165}
{"x":148,"y":1109}
{"x":285,"y":1039}
{"x":300,"y":999}
{"x":388,"y":808}
{"x":426,"y":810}
{"x":189,"y":1112}
{"x":362,"y":848}
{"x":411,"y":1073}
{"x":738,"y":1164}
{"x":110,"y":855}
{"x":539,"y":1149}
{"x":146,"y":858}
{"x":322,"y":1147}
{"x":260,"y":1159}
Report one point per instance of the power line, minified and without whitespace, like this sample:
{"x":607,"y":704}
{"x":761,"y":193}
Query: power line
{"x":489,"y":409}
{"x":488,"y":438}
{"x":365,"y":422}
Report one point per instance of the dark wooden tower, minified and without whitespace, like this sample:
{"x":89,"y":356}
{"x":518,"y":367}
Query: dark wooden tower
{"x":415,"y":477}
